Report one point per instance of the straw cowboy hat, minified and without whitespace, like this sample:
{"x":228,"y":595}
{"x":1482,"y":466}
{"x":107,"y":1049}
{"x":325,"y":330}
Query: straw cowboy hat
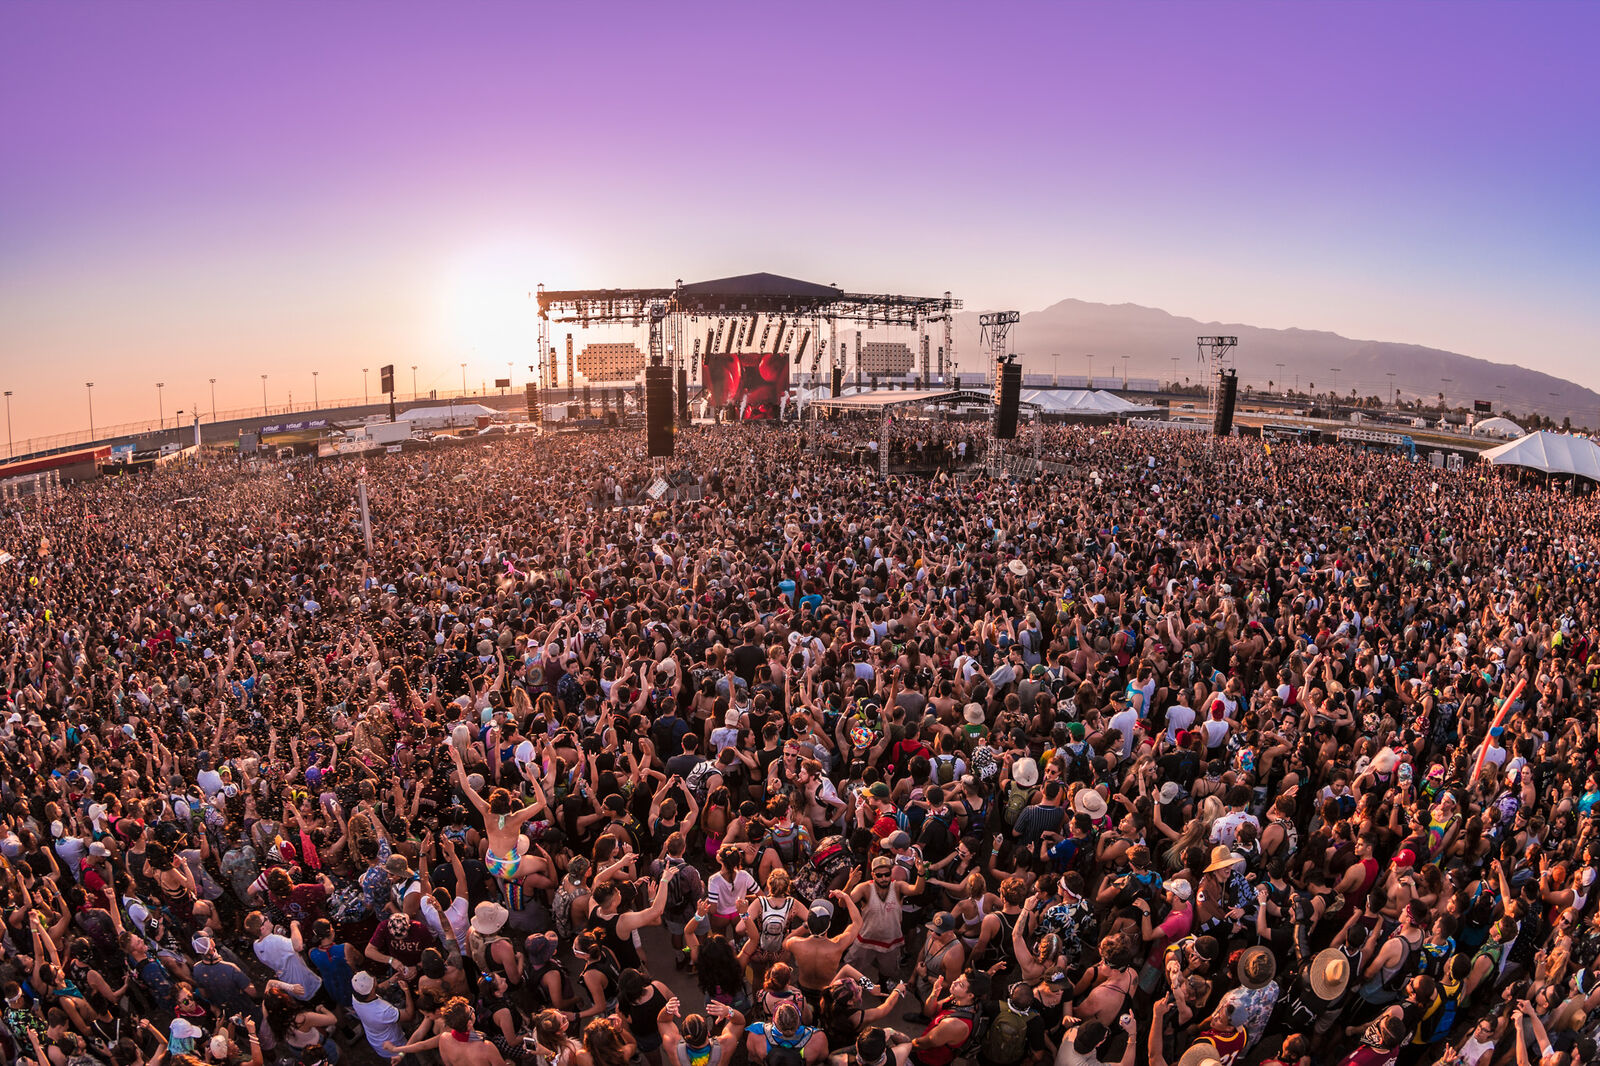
{"x":1257,"y":967}
{"x":1200,"y":1053}
{"x":1330,"y":974}
{"x":1221,"y":858}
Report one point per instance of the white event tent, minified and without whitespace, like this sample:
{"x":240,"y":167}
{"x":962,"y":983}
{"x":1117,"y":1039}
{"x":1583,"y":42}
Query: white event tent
{"x":1550,"y":453}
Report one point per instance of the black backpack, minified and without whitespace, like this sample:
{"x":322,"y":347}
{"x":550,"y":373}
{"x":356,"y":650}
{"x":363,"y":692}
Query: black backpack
{"x":783,"y":1054}
{"x":1079,"y":769}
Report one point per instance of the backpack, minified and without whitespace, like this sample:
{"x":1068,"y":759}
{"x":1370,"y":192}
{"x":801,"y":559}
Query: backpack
{"x":699,"y":778}
{"x":774,"y":924}
{"x":944,"y":768}
{"x":348,"y":904}
{"x":1016,"y":803}
{"x":684,"y":890}
{"x":1445,"y":1020}
{"x":782,"y":1054}
{"x":1007,"y":1040}
{"x":1079,"y":770}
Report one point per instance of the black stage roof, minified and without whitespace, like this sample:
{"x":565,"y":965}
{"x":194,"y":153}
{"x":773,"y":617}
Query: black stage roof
{"x":745,"y":294}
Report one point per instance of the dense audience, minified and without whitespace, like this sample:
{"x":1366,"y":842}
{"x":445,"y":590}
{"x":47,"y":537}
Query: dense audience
{"x":1202,"y":754}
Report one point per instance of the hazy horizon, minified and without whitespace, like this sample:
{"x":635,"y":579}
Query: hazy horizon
{"x":221,"y":190}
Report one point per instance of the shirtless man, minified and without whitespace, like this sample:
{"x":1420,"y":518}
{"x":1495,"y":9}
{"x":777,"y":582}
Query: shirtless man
{"x":464,"y":1045}
{"x":817,"y":955}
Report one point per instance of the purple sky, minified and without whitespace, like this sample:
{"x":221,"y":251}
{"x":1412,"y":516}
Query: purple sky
{"x":195,"y":190}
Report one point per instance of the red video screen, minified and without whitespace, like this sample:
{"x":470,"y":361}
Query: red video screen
{"x":748,"y":385}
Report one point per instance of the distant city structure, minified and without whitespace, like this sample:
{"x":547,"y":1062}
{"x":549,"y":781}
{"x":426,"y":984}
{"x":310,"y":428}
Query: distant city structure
{"x":611,"y":362}
{"x":886,"y":358}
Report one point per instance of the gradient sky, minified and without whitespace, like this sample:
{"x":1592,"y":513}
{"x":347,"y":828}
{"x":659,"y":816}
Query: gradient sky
{"x":208,"y":189}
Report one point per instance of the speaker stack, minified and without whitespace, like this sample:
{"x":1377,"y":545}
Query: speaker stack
{"x":658,"y":427}
{"x":1007,"y":397}
{"x":1227,"y":396}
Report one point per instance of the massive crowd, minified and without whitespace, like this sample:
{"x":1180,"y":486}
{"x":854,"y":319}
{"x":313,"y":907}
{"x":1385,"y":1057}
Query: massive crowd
{"x":1203,"y":754}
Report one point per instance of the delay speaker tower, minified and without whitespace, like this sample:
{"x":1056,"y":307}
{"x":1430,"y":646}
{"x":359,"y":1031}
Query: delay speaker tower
{"x":1227,"y":396}
{"x":658,"y":427}
{"x":1007,"y":397}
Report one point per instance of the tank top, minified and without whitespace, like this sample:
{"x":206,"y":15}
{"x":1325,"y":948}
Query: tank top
{"x":482,"y":950}
{"x":943,"y":1056}
{"x":627,"y":955}
{"x":933,"y":961}
{"x":710,"y":1055}
{"x":642,"y":1020}
{"x":1230,"y":1048}
{"x":970,"y":927}
{"x":880,"y":920}
{"x":608,"y":970}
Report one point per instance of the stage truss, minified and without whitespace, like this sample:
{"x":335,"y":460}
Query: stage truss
{"x":687,"y":324}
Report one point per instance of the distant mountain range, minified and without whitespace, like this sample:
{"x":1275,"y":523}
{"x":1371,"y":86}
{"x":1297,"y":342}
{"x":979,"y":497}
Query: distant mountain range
{"x":1150,"y":338}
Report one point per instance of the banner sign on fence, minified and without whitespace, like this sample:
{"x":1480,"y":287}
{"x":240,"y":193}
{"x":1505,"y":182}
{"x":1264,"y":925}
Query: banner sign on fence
{"x":294,"y":427}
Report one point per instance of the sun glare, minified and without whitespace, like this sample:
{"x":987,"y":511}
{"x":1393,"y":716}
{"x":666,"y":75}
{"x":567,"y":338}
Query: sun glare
{"x":487,"y":316}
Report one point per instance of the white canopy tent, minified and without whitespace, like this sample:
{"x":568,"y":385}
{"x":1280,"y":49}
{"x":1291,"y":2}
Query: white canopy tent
{"x":443,"y":415}
{"x":1550,"y":453}
{"x":1497,"y":427}
{"x":1082,"y":402}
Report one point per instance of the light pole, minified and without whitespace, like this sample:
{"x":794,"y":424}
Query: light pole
{"x":1444,"y":383}
{"x":1281,"y":383}
{"x":11,"y":448}
{"x":1335,"y":381}
{"x":1394,"y":395}
{"x":1174,"y":370}
{"x":1055,"y":368}
{"x":1124,"y":373}
{"x":365,"y":399}
{"x":316,"y":401}
{"x":413,"y":382}
{"x":1090,"y":379}
{"x":161,"y":407}
{"x":89,"y":385}
{"x":463,"y":379}
{"x":263,"y":395}
{"x":213,"y":399}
